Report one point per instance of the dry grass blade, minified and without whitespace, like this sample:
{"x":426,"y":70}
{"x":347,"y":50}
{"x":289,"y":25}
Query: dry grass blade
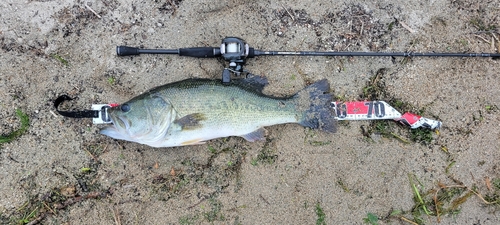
{"x":95,"y":13}
{"x":406,"y":27}
{"x":116,"y":215}
{"x":408,"y":221}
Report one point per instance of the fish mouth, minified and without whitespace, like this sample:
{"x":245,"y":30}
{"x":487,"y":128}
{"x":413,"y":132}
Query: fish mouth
{"x":118,"y":129}
{"x":119,"y":122}
{"x":123,"y":123}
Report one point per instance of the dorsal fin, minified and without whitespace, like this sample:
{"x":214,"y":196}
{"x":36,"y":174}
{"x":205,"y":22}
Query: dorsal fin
{"x":252,"y":82}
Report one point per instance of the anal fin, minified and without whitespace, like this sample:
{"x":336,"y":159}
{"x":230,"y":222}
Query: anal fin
{"x":257,"y":135}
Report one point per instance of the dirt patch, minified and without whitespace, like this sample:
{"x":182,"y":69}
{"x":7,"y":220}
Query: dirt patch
{"x":61,"y":170}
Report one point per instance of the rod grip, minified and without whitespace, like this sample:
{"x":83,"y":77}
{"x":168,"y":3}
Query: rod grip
{"x":200,"y":52}
{"x":125,"y":50}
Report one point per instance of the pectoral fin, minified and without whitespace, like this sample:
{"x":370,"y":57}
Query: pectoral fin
{"x":258,"y":135}
{"x":191,"y":121}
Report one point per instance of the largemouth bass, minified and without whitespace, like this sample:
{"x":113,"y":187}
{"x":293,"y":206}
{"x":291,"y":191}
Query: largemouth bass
{"x":193,"y":111}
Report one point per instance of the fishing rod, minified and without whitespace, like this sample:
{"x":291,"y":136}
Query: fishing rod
{"x":235,"y":51}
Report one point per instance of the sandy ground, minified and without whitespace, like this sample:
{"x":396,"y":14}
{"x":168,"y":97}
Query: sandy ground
{"x":62,"y":171}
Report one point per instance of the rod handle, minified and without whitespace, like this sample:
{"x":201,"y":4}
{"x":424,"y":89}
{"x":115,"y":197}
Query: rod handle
{"x":200,"y":52}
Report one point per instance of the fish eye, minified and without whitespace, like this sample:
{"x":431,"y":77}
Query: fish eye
{"x":125,"y":107}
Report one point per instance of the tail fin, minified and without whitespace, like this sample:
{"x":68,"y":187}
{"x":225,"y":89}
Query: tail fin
{"x":316,"y":105}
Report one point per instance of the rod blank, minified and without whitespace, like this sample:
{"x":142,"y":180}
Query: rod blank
{"x":393,"y":54}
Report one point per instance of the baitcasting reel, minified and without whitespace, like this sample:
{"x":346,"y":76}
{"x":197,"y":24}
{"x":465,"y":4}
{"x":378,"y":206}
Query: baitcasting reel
{"x":232,"y":49}
{"x":235,"y":51}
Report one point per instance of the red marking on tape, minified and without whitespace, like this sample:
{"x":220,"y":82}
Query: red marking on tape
{"x":354,"y":107}
{"x":411,"y":118}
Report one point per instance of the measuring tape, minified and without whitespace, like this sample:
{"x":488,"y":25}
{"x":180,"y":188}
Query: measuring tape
{"x":380,"y":110}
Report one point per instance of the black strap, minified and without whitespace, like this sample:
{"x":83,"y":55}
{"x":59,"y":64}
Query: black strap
{"x":74,"y":114}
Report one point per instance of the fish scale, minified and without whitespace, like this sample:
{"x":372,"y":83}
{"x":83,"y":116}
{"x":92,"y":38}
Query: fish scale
{"x":232,"y":106}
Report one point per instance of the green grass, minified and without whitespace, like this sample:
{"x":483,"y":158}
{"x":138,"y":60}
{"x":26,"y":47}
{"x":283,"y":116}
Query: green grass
{"x":420,"y":205}
{"x":189,"y":219}
{"x":213,"y":214}
{"x":320,"y":214}
{"x":267,"y":154}
{"x":385,"y":128}
{"x":39,"y":206}
{"x":111,"y":80}
{"x":28,"y":216}
{"x":494,"y":196}
{"x":375,"y":90}
{"x":319,"y":143}
{"x":491,"y":108}
{"x":496,"y":183}
{"x":212,"y":149}
{"x":421,"y":135}
{"x":25,"y":122}
{"x":390,"y":26}
{"x":215,"y":211}
{"x":431,"y":205}
{"x":375,"y":87}
{"x":85,"y":170}
{"x":343,"y":186}
{"x":60,"y":59}
{"x":481,"y":25}
{"x":371,"y":219}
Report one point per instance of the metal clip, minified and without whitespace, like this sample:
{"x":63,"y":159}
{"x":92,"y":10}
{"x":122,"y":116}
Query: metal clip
{"x":103,"y":114}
